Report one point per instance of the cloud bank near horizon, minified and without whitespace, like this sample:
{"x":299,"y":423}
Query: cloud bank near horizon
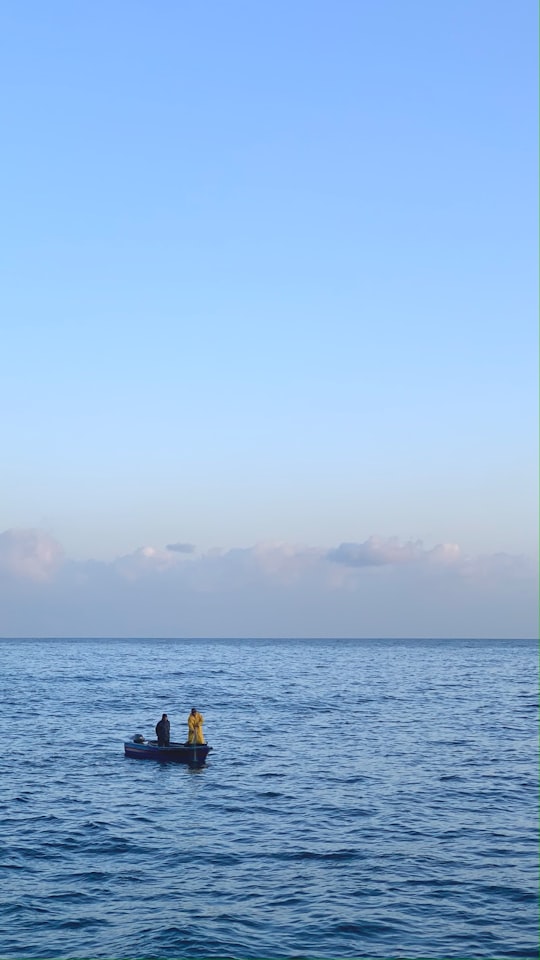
{"x":380,"y":587}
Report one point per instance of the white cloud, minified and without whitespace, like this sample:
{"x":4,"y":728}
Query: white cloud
{"x":380,"y":551}
{"x":275,"y":561}
{"x":381,"y":587}
{"x":445,"y":553}
{"x":376,"y":551}
{"x":144,"y":562}
{"x":29,"y":554}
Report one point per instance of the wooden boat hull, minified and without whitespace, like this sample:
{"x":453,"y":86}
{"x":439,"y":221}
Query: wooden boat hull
{"x":175,"y":752}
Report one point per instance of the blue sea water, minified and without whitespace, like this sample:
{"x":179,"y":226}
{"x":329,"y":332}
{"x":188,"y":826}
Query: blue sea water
{"x":363,"y":799}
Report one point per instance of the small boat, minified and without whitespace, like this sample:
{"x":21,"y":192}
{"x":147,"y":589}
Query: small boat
{"x":141,"y":749}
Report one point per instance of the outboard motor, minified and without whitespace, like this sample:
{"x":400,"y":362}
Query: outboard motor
{"x":138,"y":738}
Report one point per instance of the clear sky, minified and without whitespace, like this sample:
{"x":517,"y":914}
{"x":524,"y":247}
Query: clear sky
{"x":269,"y":273}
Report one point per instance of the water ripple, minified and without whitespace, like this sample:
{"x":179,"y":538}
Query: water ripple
{"x":370,"y":799}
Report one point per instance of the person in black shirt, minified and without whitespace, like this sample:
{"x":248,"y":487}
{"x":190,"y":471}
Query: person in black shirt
{"x":163,"y":731}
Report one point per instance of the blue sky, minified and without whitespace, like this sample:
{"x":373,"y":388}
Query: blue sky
{"x":269,"y":274}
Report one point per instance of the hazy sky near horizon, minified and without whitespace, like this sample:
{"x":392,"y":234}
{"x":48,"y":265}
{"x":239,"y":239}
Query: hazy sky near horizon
{"x":269,"y":278}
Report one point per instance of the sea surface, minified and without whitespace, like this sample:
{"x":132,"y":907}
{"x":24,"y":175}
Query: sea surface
{"x":374,"y":798}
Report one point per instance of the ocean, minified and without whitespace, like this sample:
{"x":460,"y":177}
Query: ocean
{"x":369,"y":798}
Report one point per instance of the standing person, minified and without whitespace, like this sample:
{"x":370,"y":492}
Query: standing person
{"x":163,"y":731}
{"x":195,"y":730}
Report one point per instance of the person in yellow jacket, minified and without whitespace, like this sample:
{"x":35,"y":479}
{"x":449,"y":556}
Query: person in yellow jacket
{"x":195,"y":730}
